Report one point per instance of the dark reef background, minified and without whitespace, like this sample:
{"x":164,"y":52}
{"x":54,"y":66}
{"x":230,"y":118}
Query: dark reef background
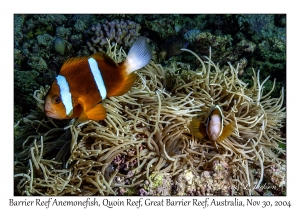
{"x":42,"y":42}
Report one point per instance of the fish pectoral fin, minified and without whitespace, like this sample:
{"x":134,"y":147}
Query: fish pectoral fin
{"x":197,"y":129}
{"x":82,"y":118}
{"x":227,"y":131}
{"x":96,"y":113}
{"x":124,"y":86}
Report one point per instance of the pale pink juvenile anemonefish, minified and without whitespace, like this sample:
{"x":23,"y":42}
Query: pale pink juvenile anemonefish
{"x":84,"y":82}
{"x":213,"y":128}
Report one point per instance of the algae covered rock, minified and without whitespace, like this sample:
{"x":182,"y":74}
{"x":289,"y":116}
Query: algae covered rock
{"x":214,"y":182}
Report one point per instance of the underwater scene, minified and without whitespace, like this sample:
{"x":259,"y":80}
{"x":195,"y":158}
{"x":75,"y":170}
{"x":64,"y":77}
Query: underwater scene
{"x":150,"y":104}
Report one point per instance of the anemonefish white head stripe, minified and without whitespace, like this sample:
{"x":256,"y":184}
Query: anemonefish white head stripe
{"x":84,"y":82}
{"x":66,"y":96}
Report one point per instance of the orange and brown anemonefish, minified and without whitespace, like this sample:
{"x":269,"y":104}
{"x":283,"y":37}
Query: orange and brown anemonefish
{"x":84,"y":82}
{"x":213,"y":128}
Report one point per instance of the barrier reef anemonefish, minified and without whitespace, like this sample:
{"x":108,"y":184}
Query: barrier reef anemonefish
{"x":84,"y":82}
{"x":213,"y":128}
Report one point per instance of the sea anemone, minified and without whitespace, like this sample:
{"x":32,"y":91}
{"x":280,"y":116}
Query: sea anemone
{"x":146,"y":134}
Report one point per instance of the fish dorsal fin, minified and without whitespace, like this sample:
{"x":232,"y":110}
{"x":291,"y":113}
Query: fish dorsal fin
{"x":138,"y":56}
{"x":72,"y":62}
{"x":99,"y":56}
{"x":124,"y":86}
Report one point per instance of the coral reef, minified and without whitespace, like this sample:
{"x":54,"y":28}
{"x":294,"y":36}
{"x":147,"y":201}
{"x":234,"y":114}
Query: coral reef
{"x":165,"y":26}
{"x":191,"y":35}
{"x":260,"y":39}
{"x":24,"y":82}
{"x":35,"y":51}
{"x":144,"y":146}
{"x":59,"y":46}
{"x":221,"y":45}
{"x":121,"y":32}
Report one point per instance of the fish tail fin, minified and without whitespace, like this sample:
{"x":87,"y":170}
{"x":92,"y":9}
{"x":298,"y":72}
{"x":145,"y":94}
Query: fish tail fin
{"x":124,"y":86}
{"x":197,"y":129}
{"x":227,"y":131}
{"x":138,"y":56}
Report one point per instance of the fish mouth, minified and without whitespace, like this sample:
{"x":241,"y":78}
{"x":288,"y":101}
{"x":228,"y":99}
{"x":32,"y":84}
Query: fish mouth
{"x":49,"y":112}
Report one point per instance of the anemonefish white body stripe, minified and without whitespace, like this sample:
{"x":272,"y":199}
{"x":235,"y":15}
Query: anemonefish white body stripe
{"x":84,"y":82}
{"x":98,"y":77}
{"x":66,"y":96}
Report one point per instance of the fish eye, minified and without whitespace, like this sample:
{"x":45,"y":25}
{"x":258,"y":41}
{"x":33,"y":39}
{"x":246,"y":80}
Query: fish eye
{"x":56,"y":99}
